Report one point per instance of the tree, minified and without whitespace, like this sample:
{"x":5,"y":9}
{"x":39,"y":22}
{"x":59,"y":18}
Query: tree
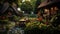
{"x":26,"y":6}
{"x":33,"y":2}
{"x":37,"y":4}
{"x":19,"y":3}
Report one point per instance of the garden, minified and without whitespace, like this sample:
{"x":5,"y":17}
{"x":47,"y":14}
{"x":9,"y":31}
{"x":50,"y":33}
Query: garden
{"x":29,"y":17}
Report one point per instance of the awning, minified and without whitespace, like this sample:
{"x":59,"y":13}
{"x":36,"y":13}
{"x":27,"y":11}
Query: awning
{"x":48,"y":2}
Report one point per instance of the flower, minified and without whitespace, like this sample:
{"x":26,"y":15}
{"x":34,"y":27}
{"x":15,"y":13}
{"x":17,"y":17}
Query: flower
{"x":40,"y":19}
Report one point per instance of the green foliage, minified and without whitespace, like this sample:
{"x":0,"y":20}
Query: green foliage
{"x":40,"y":28}
{"x":32,"y":25}
{"x":26,"y":6}
{"x":37,"y":28}
{"x":19,"y":3}
{"x":43,"y":0}
{"x":33,"y":2}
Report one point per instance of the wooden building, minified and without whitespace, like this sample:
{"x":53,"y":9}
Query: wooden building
{"x":7,"y":13}
{"x":51,"y":11}
{"x":8,"y":8}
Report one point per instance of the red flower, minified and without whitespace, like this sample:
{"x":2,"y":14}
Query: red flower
{"x":40,"y":19}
